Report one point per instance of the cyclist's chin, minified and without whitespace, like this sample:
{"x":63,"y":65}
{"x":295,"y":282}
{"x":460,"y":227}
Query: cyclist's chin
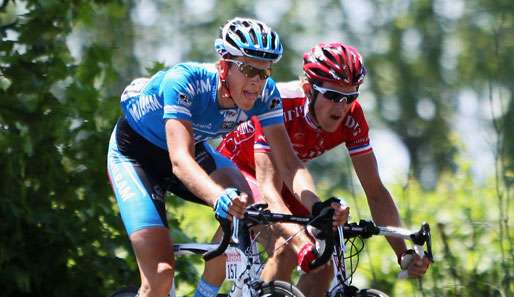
{"x":246,"y":101}
{"x":330,"y":124}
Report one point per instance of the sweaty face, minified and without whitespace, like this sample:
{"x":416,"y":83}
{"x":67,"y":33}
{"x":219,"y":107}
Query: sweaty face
{"x":330,"y":114}
{"x":243,"y":88}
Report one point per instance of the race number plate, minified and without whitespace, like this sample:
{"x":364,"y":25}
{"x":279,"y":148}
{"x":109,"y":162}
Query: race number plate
{"x":236,"y":262}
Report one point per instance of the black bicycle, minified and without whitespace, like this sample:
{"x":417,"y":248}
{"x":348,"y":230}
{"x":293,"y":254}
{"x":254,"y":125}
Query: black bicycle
{"x":335,"y":244}
{"x":244,"y":263}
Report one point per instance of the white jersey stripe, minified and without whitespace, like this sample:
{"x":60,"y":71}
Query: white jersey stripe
{"x":177,"y":109}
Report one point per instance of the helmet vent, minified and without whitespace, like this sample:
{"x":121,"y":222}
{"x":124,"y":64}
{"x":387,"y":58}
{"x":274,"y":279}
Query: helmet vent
{"x":249,"y":38}
{"x":253,"y":36}
{"x":241,"y":35}
{"x":265,"y":40}
{"x":231,"y":41}
{"x":262,"y":55}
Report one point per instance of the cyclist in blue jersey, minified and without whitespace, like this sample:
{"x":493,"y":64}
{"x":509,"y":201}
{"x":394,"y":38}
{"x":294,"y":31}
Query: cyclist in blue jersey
{"x":159,"y":145}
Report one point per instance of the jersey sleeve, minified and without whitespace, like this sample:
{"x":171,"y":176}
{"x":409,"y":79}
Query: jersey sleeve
{"x":271,"y":113}
{"x":260,"y":145}
{"x":358,"y":142}
{"x":177,"y":94}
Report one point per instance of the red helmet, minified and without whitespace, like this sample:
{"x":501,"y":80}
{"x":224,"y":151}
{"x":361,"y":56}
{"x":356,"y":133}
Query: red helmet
{"x":334,"y":62}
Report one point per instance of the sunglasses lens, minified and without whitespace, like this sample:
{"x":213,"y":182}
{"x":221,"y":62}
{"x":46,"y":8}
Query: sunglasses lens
{"x":334,"y":96}
{"x":264,"y":73}
{"x":250,"y":71}
{"x":338,"y":97}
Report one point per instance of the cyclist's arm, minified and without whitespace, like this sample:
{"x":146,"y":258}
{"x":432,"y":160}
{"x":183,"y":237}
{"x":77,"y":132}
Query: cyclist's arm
{"x":296,"y":177}
{"x":381,"y":204}
{"x":179,"y":137}
{"x":270,"y":185}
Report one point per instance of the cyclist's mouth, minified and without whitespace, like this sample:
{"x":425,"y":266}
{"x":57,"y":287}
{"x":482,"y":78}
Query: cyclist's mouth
{"x":335,"y":117}
{"x":250,"y":95}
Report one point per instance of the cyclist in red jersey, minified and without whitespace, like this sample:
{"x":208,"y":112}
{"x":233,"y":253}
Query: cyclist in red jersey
{"x":320,"y":113}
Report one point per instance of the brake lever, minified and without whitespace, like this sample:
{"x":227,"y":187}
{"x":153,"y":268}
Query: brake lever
{"x":419,"y":251}
{"x":423,"y":236}
{"x":341,"y":238}
{"x":235,"y":230}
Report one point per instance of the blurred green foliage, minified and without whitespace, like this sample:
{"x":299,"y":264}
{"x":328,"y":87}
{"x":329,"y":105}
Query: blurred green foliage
{"x":63,"y":65}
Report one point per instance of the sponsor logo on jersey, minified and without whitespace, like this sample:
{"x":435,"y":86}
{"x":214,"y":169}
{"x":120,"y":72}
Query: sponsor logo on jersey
{"x":294,"y":113}
{"x":202,"y":126}
{"x":145,"y":104}
{"x":199,"y":87}
{"x":183,"y":99}
{"x":246,"y":128}
{"x":275,"y":103}
{"x":352,"y":124}
{"x":229,"y":119}
{"x":228,"y":125}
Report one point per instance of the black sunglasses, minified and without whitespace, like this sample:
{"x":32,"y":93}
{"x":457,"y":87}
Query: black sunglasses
{"x":336,"y":96}
{"x":249,"y":71}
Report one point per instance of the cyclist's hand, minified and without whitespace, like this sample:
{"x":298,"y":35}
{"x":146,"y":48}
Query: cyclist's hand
{"x":415,"y":265}
{"x":341,"y":214}
{"x":230,"y":202}
{"x":418,"y":266}
{"x":341,"y":210}
{"x":238,"y":206}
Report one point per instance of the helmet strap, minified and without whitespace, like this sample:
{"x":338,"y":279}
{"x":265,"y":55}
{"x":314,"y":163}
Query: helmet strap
{"x":223,"y":70}
{"x":311,"y":95}
{"x":224,"y":91}
{"x":312,"y":101}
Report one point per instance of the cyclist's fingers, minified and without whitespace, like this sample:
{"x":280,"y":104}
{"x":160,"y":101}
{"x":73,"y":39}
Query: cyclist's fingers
{"x":421,"y":261}
{"x":416,"y":272}
{"x":340,"y":214}
{"x":244,"y":198}
{"x":418,"y":266}
{"x":239,"y":202}
{"x":340,"y":209}
{"x":237,"y":207}
{"x":236,"y":213}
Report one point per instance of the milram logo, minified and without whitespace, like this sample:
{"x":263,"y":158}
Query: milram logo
{"x":199,"y":87}
{"x":145,"y":104}
{"x":122,"y":185}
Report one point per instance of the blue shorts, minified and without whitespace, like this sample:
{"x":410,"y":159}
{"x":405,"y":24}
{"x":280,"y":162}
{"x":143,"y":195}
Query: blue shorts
{"x":141,"y":174}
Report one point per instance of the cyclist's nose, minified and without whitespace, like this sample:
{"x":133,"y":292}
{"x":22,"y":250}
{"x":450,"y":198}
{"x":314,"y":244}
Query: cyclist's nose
{"x":255,"y":79}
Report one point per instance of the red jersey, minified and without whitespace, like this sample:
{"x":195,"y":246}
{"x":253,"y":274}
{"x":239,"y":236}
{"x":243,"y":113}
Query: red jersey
{"x":307,"y":139}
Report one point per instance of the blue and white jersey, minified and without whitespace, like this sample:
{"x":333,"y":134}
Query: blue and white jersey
{"x":187,"y":92}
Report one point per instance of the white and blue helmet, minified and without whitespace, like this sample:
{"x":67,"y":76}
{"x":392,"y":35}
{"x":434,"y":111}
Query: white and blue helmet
{"x":244,"y":37}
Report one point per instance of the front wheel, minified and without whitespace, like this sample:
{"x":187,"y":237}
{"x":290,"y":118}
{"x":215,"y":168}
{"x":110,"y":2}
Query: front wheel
{"x":371,"y":293}
{"x":279,"y":289}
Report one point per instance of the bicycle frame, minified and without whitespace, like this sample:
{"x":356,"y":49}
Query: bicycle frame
{"x":243,"y":265}
{"x":242,"y":253}
{"x":365,"y":229}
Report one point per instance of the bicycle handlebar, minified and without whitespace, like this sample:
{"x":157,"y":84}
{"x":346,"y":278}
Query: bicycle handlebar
{"x":323,"y":221}
{"x":259,"y":214}
{"x":225,"y":227}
